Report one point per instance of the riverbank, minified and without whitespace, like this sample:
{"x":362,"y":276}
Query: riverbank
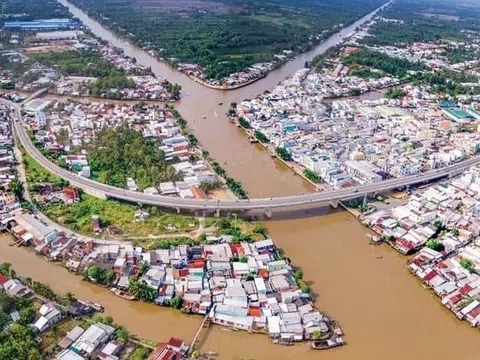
{"x":375,"y":300}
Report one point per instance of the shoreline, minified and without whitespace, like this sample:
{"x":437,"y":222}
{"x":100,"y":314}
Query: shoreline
{"x":329,"y":33}
{"x":210,"y":314}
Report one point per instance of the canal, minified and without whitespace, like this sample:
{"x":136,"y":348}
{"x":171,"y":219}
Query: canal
{"x":385,"y":311}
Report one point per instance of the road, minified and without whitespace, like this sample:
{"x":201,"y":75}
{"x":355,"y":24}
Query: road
{"x":106,"y":191}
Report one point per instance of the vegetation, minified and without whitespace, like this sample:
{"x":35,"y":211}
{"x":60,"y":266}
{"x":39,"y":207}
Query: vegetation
{"x":209,"y":186}
{"x":140,"y":353}
{"x":141,"y":290}
{"x":43,"y":290}
{"x":261,"y":136}
{"x":226,"y":37}
{"x":243,"y":123}
{"x":177,"y":302}
{"x":234,"y":185}
{"x":36,"y":174}
{"x":88,"y":64}
{"x":78,"y":217}
{"x":467,"y":265}
{"x":122,"y":153}
{"x":283,"y":153}
{"x":395,"y":93}
{"x":100,"y":275}
{"x":434,"y":244}
{"x":28,"y":10}
{"x":391,"y":65}
{"x":304,"y":287}
{"x":364,"y":73}
{"x":240,"y":230}
{"x":312,"y":176}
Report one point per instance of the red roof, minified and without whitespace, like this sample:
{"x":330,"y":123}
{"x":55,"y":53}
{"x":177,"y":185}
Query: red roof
{"x":254,"y":311}
{"x":176,"y":343}
{"x":3,"y":279}
{"x":466,"y":289}
{"x":263,"y":273}
{"x":163,"y":352}
{"x":430,"y":276}
{"x":197,"y":264}
{"x":237,"y":249}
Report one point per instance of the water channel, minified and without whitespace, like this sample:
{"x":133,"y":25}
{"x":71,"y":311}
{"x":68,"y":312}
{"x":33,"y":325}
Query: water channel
{"x":385,"y":311}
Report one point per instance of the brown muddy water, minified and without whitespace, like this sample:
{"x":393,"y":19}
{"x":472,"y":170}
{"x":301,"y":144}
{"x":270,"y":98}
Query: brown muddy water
{"x":384,"y":311}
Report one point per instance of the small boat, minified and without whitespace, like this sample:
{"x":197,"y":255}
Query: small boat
{"x":220,"y":103}
{"x":328,"y":344}
{"x":337,"y":330}
{"x":285,"y":342}
{"x":123,"y":294}
{"x":204,"y":117}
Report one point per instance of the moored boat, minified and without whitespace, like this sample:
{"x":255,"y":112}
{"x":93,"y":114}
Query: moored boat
{"x":327,"y":344}
{"x":123,"y":294}
{"x":337,"y":330}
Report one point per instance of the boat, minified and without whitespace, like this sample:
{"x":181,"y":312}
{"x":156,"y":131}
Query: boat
{"x":328,"y":344}
{"x":337,"y":330}
{"x":122,"y":294}
{"x":220,"y":103}
{"x":204,"y":117}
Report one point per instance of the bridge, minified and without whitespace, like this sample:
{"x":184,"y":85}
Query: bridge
{"x":104,"y":191}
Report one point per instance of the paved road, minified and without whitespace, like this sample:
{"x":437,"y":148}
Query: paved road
{"x":102,"y":190}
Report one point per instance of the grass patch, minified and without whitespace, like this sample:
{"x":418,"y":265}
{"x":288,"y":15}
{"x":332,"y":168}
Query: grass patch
{"x":78,"y":217}
{"x":140,"y":353}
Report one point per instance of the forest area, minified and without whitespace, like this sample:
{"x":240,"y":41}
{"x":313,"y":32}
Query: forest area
{"x":226,"y":36}
{"x":28,"y":10}
{"x":123,"y":152}
{"x":424,"y":21}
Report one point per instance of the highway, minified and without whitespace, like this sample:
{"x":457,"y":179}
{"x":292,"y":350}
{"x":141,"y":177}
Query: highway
{"x":106,"y":191}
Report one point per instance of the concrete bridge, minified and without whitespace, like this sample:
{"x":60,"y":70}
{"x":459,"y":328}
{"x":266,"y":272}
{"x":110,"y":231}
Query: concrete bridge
{"x":264,"y":204}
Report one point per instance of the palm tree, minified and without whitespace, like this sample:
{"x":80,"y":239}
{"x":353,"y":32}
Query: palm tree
{"x":29,"y":281}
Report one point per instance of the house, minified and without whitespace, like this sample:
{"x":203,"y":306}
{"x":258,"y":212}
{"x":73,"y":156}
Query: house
{"x":71,"y":195}
{"x":110,"y":351}
{"x":13,"y":287}
{"x":68,"y":354}
{"x":174,"y":349}
{"x":50,"y":315}
{"x":92,"y":338}
{"x":71,"y":337}
{"x":154,"y":277}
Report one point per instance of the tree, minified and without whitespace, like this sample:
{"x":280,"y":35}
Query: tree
{"x":55,"y":332}
{"x":434,"y":244}
{"x":283,"y":154}
{"x":177,"y":302}
{"x":27,"y":315}
{"x":122,"y":335}
{"x":467,"y":265}
{"x":316,"y":335}
{"x":141,"y":290}
{"x":68,"y":299}
{"x":110,"y":276}
{"x":96,"y":273}
{"x":5,"y":268}
{"x":144,"y":267}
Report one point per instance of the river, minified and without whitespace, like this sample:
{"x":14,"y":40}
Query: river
{"x":385,"y":311}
